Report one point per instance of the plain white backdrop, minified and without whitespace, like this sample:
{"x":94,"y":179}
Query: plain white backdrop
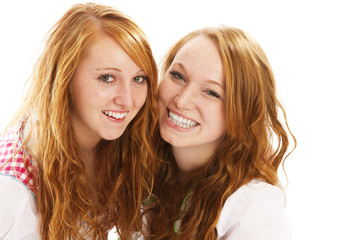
{"x":314,"y":50}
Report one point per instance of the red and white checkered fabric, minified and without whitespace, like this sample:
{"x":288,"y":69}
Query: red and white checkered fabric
{"x":14,"y":161}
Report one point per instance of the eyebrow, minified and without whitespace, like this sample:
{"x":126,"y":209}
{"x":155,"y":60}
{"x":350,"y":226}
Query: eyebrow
{"x":110,"y":68}
{"x":117,"y":69}
{"x":216,"y":83}
{"x":180,"y":65}
{"x":213,"y":82}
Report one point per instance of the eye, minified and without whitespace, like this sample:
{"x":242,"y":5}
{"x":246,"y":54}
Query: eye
{"x":176,"y":75}
{"x":212,"y":93}
{"x":140,"y":79}
{"x":106,"y":78}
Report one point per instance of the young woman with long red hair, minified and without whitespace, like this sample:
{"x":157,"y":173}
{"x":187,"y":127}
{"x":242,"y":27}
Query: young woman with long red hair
{"x":223,"y":142}
{"x":77,"y":158}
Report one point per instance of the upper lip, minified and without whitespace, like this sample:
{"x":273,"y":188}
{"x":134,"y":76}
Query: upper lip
{"x":116,"y":111}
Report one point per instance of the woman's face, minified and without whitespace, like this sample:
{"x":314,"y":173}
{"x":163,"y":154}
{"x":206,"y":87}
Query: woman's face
{"x":191,"y":97}
{"x":108,"y":90}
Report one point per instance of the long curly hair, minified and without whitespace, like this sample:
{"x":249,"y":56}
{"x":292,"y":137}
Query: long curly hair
{"x":124,"y":167}
{"x":254,"y":146}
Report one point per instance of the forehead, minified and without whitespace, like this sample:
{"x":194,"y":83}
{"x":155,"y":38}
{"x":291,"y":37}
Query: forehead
{"x":201,"y":56}
{"x":102,"y":42}
{"x":201,"y":47}
{"x":105,"y":51}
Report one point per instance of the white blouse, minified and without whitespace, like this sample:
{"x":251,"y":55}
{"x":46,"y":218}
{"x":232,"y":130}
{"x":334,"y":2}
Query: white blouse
{"x":18,"y":211}
{"x":254,"y":212}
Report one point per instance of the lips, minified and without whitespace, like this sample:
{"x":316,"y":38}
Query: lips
{"x":115,"y":115}
{"x":181,"y":121}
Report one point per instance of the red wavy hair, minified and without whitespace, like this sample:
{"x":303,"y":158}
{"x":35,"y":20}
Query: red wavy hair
{"x":124,"y":167}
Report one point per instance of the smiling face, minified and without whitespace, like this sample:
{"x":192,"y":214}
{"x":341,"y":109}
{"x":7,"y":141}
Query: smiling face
{"x":108,"y":90}
{"x":191,"y":100}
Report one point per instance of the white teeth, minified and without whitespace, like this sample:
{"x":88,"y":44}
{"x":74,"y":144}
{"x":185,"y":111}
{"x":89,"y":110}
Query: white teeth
{"x":115,"y":115}
{"x":180,"y":121}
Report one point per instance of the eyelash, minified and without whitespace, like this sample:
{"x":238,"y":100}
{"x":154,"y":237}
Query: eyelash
{"x":177,"y":75}
{"x":145,"y":79}
{"x":212,"y":93}
{"x":102,"y":78}
{"x":105,"y":79}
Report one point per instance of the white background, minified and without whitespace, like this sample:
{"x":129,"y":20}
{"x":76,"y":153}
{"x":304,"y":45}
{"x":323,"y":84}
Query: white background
{"x":313,"y":47}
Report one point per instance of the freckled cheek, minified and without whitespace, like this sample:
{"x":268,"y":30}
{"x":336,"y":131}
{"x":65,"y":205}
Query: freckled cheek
{"x":139,"y":98}
{"x":166,"y":92}
{"x":217,"y":114}
{"x":86,"y":97}
{"x":97,"y":97}
{"x":222,"y":119}
{"x":162,"y":102}
{"x":161,"y":98}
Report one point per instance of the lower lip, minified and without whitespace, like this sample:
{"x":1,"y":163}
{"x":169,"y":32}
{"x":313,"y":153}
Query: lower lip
{"x":174,"y":126}
{"x":120,"y":120}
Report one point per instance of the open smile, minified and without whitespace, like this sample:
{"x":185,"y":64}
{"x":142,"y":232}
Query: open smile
{"x":115,"y":115}
{"x":181,"y":121}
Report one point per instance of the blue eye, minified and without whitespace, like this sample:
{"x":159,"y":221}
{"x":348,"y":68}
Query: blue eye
{"x":177,"y":75}
{"x":106,"y":78}
{"x":140,"y":79}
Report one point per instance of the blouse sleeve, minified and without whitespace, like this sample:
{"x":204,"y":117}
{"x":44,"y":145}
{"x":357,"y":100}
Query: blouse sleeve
{"x":254,"y":212}
{"x":18,"y":212}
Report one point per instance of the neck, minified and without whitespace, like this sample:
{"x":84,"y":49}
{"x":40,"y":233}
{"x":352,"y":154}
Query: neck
{"x":190,"y":159}
{"x":88,"y":145}
{"x":88,"y":160}
{"x":88,"y":141}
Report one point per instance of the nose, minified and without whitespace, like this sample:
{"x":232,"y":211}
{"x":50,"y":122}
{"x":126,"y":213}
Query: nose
{"x":185,"y":98}
{"x":123,"y":95}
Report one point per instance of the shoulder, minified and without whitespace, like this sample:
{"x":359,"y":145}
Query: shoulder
{"x":15,"y":160}
{"x":19,"y":217}
{"x":10,"y":142}
{"x":257,"y":192}
{"x":254,"y":211}
{"x":14,"y":134}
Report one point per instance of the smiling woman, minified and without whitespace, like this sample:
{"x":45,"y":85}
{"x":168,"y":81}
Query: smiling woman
{"x":67,"y":167}
{"x":218,"y":113}
{"x":191,"y":100}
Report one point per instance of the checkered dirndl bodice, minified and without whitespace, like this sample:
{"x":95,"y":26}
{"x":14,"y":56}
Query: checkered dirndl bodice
{"x":15,"y":162}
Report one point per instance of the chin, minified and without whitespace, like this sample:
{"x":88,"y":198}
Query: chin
{"x":165,"y":137}
{"x":113,"y":136}
{"x":175,"y":143}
